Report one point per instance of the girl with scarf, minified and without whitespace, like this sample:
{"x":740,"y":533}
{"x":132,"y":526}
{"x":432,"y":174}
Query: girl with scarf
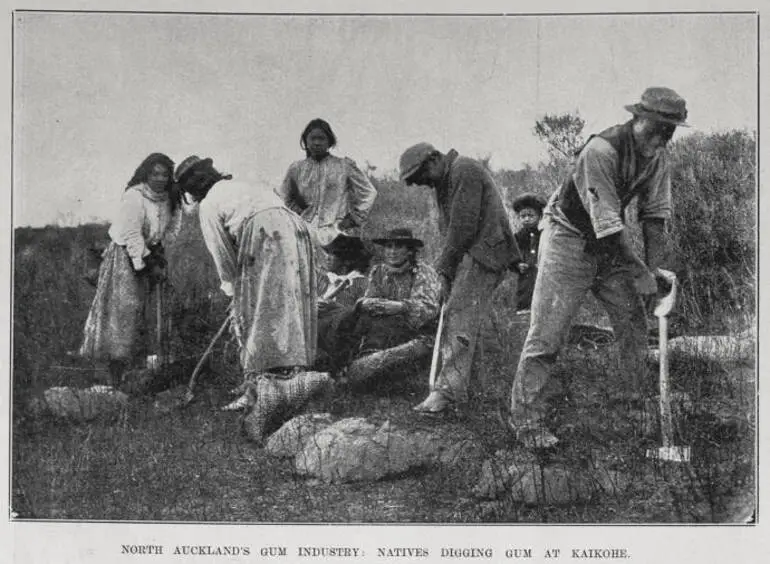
{"x":133,"y":267}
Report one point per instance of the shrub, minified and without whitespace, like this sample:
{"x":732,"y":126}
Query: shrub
{"x":713,"y":227}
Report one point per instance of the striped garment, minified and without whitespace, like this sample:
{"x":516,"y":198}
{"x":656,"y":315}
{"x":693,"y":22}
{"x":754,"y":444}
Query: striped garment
{"x":417,"y":285}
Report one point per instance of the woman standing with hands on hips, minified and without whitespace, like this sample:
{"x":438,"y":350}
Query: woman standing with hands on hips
{"x":133,"y":267}
{"x":330,"y":193}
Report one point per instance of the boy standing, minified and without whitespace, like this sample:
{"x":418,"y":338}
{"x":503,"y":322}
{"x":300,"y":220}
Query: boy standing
{"x":529,"y":209}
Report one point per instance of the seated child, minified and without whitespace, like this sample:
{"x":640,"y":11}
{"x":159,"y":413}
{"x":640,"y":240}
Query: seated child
{"x":529,"y":209}
{"x":344,"y":280}
{"x":340,"y":286}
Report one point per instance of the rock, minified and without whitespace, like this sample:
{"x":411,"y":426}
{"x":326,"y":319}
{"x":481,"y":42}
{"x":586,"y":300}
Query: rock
{"x":494,"y":481}
{"x":139,"y":380}
{"x":553,"y":485}
{"x":496,"y":473}
{"x":169,"y":400}
{"x":287,"y":441}
{"x":96,"y":402}
{"x":354,"y":450}
{"x":531,"y":483}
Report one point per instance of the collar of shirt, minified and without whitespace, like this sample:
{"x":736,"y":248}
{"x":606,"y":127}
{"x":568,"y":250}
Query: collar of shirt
{"x":336,"y":279}
{"x":391,"y":270}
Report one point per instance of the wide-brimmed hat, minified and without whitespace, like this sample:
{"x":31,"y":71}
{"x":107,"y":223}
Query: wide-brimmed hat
{"x":347,"y":247}
{"x":413,"y":158}
{"x":529,"y":200}
{"x":401,"y":235}
{"x":189,"y":164}
{"x":661,"y":104}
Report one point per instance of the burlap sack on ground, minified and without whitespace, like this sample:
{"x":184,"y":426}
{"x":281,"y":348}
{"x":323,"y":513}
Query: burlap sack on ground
{"x":269,"y":400}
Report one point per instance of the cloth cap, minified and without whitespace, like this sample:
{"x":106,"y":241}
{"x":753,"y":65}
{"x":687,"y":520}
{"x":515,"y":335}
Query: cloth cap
{"x":412,"y":159}
{"x":661,"y":104}
{"x":401,"y":235}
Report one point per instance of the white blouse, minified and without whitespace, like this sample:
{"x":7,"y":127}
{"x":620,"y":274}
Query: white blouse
{"x":223,"y":213}
{"x":144,"y":219}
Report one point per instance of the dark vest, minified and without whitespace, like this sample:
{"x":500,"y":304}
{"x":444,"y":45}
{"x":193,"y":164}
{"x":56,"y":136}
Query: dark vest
{"x":629,"y":166}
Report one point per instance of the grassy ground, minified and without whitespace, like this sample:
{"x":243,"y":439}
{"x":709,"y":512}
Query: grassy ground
{"x":196,"y":464}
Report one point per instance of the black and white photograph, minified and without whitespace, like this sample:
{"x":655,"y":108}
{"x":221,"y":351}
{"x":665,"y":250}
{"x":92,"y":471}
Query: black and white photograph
{"x":447,"y":278}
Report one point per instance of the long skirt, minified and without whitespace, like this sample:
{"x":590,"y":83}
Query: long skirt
{"x":116,"y":328}
{"x":274,"y":306}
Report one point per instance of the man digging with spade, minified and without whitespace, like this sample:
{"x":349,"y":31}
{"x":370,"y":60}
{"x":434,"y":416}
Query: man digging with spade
{"x":478,"y":249}
{"x":585,"y":246}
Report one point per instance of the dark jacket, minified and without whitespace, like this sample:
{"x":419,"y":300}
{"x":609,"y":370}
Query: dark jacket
{"x":528,"y":241}
{"x":472,"y":218}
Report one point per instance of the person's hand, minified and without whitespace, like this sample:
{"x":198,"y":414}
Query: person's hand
{"x":346,"y":223}
{"x":235,"y":331}
{"x":645,"y":283}
{"x":523,"y":267}
{"x":379,"y":307}
{"x":228,"y":289}
{"x":390,"y":307}
{"x":446,"y":288}
{"x":155,"y":265}
{"x":157,"y":273}
{"x":664,"y":279}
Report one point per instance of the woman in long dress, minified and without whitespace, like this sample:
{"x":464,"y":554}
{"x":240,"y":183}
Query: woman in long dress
{"x":132,"y":267}
{"x":330,"y":193}
{"x":264,"y":258}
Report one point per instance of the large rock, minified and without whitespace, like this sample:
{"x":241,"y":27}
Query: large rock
{"x":354,"y":450}
{"x":170,"y":400}
{"x":291,"y":438}
{"x":75,"y":404}
{"x":528,"y":482}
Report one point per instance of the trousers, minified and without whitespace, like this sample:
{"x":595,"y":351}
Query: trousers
{"x":566,"y":272}
{"x":466,"y":310}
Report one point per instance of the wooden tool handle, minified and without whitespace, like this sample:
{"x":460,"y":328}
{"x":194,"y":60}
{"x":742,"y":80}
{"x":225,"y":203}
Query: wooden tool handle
{"x":206,"y":354}
{"x":666,"y":423}
{"x":436,"y":348}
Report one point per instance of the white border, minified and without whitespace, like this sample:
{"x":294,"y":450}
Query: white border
{"x":25,"y":542}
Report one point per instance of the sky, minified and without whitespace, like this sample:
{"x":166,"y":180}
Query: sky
{"x":96,"y":93}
